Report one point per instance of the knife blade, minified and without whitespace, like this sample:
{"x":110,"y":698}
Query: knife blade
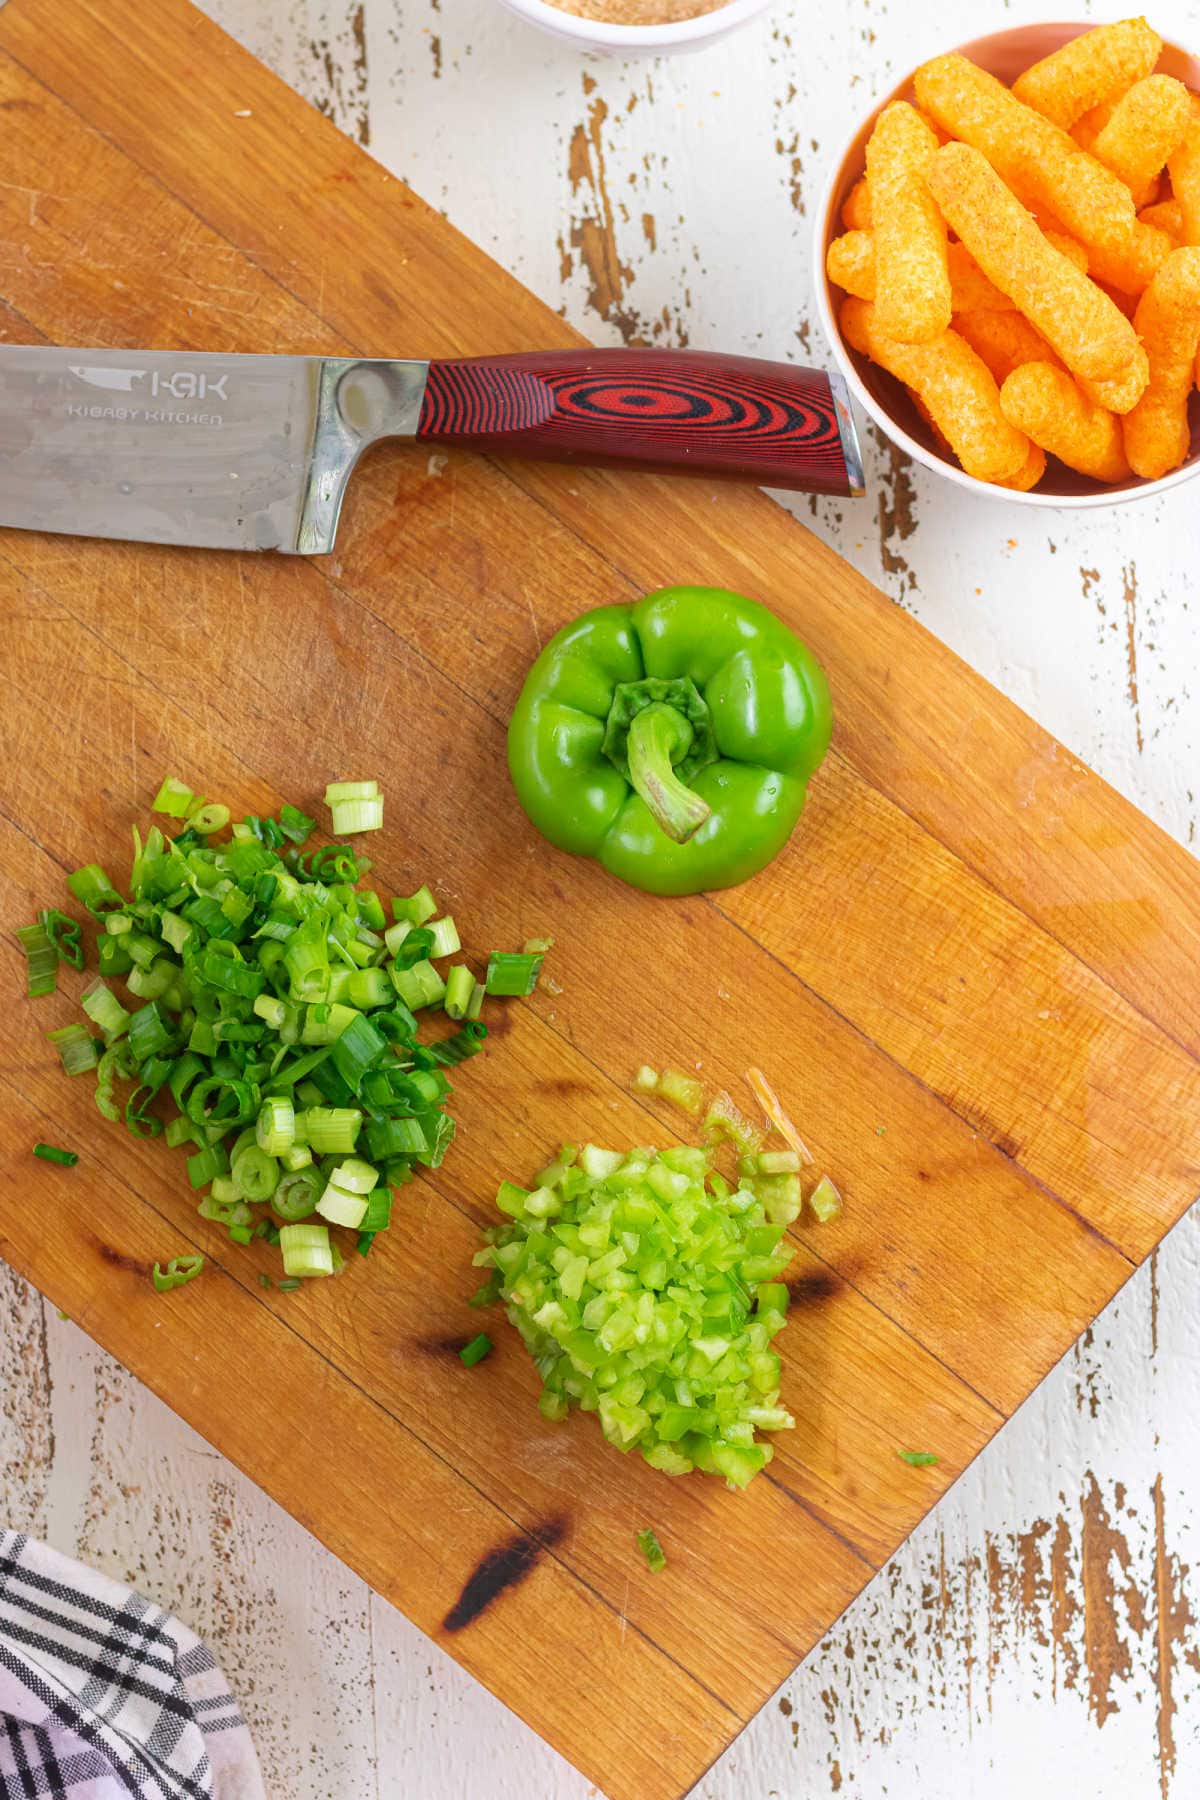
{"x":255,"y":452}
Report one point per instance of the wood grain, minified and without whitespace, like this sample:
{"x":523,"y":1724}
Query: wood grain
{"x":973,"y":973}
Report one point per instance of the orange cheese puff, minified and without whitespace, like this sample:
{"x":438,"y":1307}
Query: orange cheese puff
{"x":1184,"y":170}
{"x":1147,"y":126}
{"x":1089,"y":333}
{"x":970,"y":289}
{"x":1062,"y":240}
{"x":1042,"y":165}
{"x":1030,"y":472}
{"x":1126,"y":302}
{"x":912,"y":279}
{"x":856,"y":207}
{"x":1120,"y":393}
{"x":1164,"y":215}
{"x":954,"y":384}
{"x":1070,"y":247}
{"x":1003,"y":341}
{"x":1132,"y":265}
{"x":1168,"y":321}
{"x":940,"y":440}
{"x":850,"y":262}
{"x":1046,"y":405}
{"x":1092,"y":68}
{"x":1085,"y":131}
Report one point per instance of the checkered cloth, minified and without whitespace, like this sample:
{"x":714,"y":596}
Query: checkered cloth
{"x":104,"y":1696}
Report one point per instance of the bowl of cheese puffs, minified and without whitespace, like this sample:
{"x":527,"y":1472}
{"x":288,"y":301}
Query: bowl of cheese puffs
{"x":1008,"y":264}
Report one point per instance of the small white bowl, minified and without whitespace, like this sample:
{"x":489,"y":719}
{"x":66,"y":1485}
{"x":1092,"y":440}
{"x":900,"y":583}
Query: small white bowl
{"x":1004,"y":54}
{"x":636,"y":40}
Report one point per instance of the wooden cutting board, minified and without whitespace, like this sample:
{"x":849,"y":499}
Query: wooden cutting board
{"x":973,"y":975}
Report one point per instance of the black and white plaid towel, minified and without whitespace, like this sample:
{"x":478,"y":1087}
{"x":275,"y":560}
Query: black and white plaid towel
{"x":104,"y":1696}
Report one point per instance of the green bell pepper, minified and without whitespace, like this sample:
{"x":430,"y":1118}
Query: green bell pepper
{"x":672,"y":740}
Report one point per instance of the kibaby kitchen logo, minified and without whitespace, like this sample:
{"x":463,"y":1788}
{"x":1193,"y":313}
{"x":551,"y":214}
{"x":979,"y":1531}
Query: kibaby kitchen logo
{"x":152,"y":385}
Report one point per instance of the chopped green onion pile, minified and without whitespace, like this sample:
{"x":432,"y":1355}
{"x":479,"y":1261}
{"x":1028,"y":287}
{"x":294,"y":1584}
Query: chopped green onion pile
{"x":647,"y":1290}
{"x":273,"y":1005}
{"x":651,"y":1549}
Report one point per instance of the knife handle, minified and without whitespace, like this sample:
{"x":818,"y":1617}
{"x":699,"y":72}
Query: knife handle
{"x":666,"y":410}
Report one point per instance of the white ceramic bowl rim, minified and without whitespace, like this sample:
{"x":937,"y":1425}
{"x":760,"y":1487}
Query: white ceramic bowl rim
{"x":870,"y":404}
{"x":611,"y":36}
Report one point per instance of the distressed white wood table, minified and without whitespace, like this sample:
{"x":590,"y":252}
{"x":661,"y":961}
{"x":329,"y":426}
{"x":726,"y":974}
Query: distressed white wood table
{"x":1038,"y":1635}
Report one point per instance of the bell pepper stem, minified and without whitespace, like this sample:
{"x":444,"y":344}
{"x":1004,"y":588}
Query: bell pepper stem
{"x":658,"y":737}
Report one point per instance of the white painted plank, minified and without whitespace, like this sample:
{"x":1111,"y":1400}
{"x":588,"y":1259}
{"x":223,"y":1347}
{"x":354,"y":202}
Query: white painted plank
{"x":1034,"y":1636}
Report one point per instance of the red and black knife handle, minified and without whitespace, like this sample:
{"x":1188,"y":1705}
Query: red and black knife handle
{"x":667,"y":410}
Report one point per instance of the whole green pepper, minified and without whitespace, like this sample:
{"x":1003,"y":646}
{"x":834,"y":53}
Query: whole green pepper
{"x":672,"y":740}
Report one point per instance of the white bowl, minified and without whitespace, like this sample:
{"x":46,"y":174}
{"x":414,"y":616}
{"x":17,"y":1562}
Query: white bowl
{"x":1004,"y":54}
{"x":636,"y":40}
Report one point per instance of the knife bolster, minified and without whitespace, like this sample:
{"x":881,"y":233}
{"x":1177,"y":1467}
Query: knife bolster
{"x":358,"y":402}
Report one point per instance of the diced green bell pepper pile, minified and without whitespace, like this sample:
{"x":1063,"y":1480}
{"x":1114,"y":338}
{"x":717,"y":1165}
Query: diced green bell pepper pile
{"x":647,"y":1291}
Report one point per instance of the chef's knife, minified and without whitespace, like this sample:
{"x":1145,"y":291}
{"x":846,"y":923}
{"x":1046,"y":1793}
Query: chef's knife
{"x":254,"y":452}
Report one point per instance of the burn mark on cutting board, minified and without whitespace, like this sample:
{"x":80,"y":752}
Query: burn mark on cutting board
{"x":813,"y":1288}
{"x":566,"y":1087}
{"x":442,"y":1346}
{"x":119,"y":1259}
{"x":502,"y":1568}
